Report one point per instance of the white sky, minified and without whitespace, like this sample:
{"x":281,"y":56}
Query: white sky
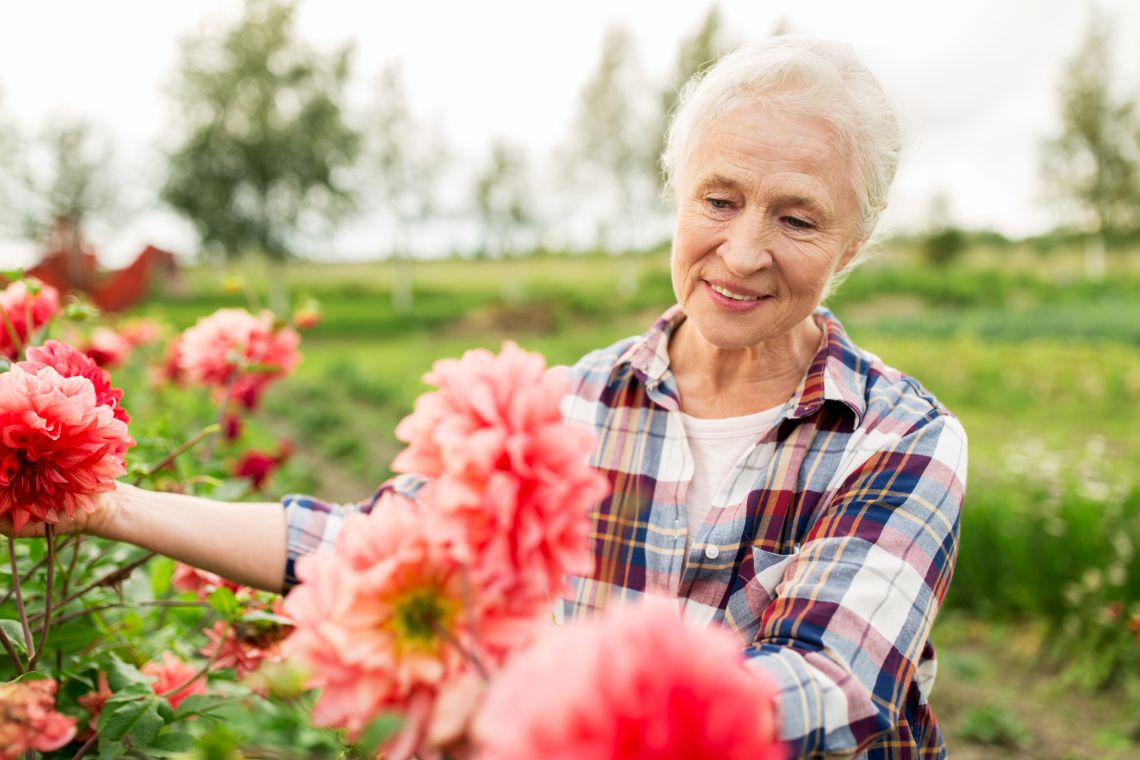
{"x":975,"y":80}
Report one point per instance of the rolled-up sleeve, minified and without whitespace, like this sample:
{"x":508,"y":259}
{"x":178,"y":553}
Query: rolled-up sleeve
{"x":313,"y":524}
{"x":853,"y":613}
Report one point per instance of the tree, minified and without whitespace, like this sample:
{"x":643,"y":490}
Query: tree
{"x":612,"y":144}
{"x":408,"y":161}
{"x":71,"y":185}
{"x":697,"y":53}
{"x":266,"y":146}
{"x":502,"y":191}
{"x":1095,"y":161}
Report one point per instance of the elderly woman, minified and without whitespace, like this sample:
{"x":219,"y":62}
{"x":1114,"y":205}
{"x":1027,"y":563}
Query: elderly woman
{"x":766,"y":471}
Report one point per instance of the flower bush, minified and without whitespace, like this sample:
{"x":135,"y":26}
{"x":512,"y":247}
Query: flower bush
{"x":408,"y":637}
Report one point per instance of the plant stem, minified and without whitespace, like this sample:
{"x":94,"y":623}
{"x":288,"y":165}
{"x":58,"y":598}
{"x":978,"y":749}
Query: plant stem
{"x":86,"y":746}
{"x":112,"y":577}
{"x":20,"y":596}
{"x":200,"y":436}
{"x":471,"y":656}
{"x":155,"y":603}
{"x":225,"y":402}
{"x":49,"y":534}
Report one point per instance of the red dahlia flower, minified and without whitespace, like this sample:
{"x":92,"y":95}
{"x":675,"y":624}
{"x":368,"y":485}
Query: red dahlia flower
{"x":58,"y":445}
{"x":22,"y":312}
{"x":70,"y":362}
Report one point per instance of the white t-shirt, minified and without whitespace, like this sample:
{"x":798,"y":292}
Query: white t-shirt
{"x":716,"y":446}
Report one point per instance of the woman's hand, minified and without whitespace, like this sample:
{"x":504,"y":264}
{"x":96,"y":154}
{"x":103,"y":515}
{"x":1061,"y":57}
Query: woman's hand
{"x":106,"y":508}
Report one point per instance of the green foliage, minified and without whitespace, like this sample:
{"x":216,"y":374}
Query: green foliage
{"x":267,"y":145}
{"x":996,"y":726}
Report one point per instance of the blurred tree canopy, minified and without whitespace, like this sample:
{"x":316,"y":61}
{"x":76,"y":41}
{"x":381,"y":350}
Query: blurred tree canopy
{"x":698,"y":52}
{"x":612,"y":149}
{"x":502,"y":190}
{"x":1095,"y":161}
{"x":266,"y":145}
{"x":407,"y":156}
{"x":72,"y":184}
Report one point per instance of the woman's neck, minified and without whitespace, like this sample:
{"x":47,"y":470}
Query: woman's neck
{"x":716,"y":382}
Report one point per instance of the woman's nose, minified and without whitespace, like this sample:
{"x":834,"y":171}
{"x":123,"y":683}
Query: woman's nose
{"x":748,"y":247}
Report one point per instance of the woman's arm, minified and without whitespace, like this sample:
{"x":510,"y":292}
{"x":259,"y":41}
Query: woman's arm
{"x":854,"y":609}
{"x":241,"y":541}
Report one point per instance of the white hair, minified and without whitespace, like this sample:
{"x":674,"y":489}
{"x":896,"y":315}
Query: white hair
{"x":798,"y":75}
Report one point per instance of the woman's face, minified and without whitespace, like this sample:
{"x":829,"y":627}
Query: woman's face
{"x":766,"y":214}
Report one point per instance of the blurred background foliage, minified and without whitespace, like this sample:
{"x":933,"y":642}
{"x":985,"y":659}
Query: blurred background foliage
{"x":1032,"y":342}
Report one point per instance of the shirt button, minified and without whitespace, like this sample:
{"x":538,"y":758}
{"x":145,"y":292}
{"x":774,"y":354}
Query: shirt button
{"x":712,"y":552}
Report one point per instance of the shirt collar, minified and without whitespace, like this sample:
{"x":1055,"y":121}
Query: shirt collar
{"x":837,"y":373}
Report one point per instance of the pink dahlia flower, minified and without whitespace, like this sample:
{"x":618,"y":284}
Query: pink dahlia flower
{"x":234,"y":346}
{"x":244,"y":646}
{"x":510,"y":476}
{"x":107,"y":347}
{"x":70,"y":362}
{"x":58,"y":445}
{"x":172,"y":673}
{"x":636,"y":684}
{"x":29,"y":721}
{"x":140,"y":332}
{"x":23,"y":310}
{"x":201,"y":582}
{"x":377,"y":621}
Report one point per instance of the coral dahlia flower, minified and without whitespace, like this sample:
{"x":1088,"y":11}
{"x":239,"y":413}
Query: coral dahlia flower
{"x":29,"y":721}
{"x":377,"y":620}
{"x":70,"y":362}
{"x":58,"y":445}
{"x":510,"y":476}
{"x":23,"y":310}
{"x":635,"y":684}
{"x":232,"y":347}
{"x":171,"y":673}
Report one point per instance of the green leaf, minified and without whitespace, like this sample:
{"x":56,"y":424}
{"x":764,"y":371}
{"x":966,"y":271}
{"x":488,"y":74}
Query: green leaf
{"x":32,"y":675}
{"x":224,"y":601}
{"x":15,"y":633}
{"x":262,"y":616}
{"x":201,"y":704}
{"x":169,"y":744}
{"x":382,"y":728}
{"x":161,"y":574}
{"x":122,"y":676}
{"x":137,"y":720}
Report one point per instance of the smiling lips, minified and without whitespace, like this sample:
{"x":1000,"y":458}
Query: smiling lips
{"x":731,"y":300}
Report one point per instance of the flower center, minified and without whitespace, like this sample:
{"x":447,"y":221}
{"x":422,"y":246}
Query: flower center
{"x":420,"y":616}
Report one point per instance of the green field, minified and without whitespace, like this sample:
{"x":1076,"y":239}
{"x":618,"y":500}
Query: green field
{"x":1041,"y":365}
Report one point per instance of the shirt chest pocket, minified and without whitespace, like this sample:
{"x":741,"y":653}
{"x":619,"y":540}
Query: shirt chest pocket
{"x":760,"y":575}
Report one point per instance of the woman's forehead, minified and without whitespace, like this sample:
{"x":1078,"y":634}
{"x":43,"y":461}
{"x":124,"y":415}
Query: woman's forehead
{"x":751,"y":146}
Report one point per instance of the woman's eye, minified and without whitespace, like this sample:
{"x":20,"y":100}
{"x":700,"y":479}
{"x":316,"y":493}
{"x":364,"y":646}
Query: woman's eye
{"x":797,"y":223}
{"x":720,"y":204}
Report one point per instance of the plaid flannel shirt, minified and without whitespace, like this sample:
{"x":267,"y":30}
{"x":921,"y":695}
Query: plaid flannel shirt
{"x":828,"y":550}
